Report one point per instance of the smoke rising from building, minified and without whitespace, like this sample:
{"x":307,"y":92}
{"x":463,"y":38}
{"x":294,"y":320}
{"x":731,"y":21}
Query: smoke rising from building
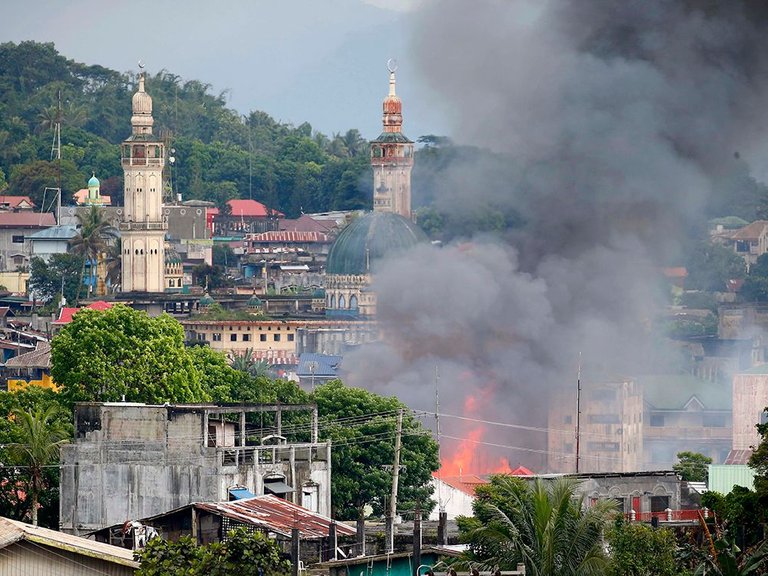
{"x":616,"y":118}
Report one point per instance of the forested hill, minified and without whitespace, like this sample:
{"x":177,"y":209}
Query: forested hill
{"x":219,"y":153}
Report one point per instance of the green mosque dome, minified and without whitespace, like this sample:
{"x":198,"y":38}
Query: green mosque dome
{"x":93,"y":181}
{"x":206,"y":300}
{"x":370,"y":238}
{"x":254,"y":302}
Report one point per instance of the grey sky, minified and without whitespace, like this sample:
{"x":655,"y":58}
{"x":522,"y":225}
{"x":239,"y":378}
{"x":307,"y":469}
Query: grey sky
{"x":300,"y":60}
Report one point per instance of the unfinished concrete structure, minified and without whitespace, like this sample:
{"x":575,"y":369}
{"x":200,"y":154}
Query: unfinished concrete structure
{"x":132,"y":461}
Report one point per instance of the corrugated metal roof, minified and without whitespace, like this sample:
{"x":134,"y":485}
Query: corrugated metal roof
{"x":723,"y":477}
{"x":26,"y":219}
{"x":12,"y":531}
{"x":276,"y":515}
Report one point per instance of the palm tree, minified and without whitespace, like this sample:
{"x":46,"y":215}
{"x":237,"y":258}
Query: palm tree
{"x":92,"y":239}
{"x":541,"y":524}
{"x":40,"y":435}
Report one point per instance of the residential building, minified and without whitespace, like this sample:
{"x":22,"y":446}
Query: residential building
{"x":455,"y":495}
{"x":135,"y":460}
{"x":245,"y":217}
{"x":16,"y":203}
{"x":15,"y":230}
{"x":53,"y":240}
{"x":750,"y":398}
{"x":209,"y":522}
{"x":33,"y":550}
{"x":749,"y":242}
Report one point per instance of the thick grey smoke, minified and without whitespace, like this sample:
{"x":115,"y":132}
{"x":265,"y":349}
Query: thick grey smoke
{"x":616,"y":116}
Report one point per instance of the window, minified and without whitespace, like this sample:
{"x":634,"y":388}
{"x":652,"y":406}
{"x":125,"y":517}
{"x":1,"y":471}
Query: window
{"x":246,"y":337}
{"x":262,"y":337}
{"x":233,"y":337}
{"x":290,"y":337}
{"x":277,"y":337}
{"x":657,"y":420}
{"x":201,"y":337}
{"x":714,"y":420}
{"x":217,"y":336}
{"x":603,"y":446}
{"x":342,"y":302}
{"x":18,"y":239}
{"x":659,"y":503}
{"x":353,"y":302}
{"x":603,"y":418}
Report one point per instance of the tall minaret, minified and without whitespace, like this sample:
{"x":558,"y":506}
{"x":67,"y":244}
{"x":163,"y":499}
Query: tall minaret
{"x":143,"y":227}
{"x":392,"y":158}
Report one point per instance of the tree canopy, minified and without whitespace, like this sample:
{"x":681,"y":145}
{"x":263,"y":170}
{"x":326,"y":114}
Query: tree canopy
{"x":123,"y":353}
{"x":692,"y":466}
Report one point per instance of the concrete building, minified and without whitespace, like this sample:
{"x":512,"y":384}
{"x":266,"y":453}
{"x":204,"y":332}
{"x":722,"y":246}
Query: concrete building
{"x":611,"y":428}
{"x":53,"y":240}
{"x":456,"y":494}
{"x":133,"y":461}
{"x":15,"y":231}
{"x":750,"y":397}
{"x":143,"y":225}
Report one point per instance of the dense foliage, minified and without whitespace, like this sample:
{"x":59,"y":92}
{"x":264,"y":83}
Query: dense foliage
{"x":692,"y":466}
{"x":219,"y":153}
{"x":240,"y":553}
{"x":637,"y":549}
{"x":123,"y":353}
{"x":542,"y":524}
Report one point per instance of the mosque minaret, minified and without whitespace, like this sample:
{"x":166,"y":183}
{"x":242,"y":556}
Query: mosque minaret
{"x":392,"y":158}
{"x":143,"y":227}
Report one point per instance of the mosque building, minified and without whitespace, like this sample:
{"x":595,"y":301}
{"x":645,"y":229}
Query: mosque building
{"x":143,"y":226}
{"x":387,"y":230}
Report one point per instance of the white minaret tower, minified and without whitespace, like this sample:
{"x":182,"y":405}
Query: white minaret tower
{"x":392,"y":158}
{"x":143,"y":227}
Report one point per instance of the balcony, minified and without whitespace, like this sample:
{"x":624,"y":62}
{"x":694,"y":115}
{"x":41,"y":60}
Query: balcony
{"x":142,"y":162}
{"x":142,"y":226}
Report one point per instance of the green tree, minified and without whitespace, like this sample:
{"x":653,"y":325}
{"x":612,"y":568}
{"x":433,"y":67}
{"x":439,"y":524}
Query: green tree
{"x":39,"y":436}
{"x":218,"y":379}
{"x":692,"y":466}
{"x":15,"y":500}
{"x":639,"y":550}
{"x":242,"y":553}
{"x":711,"y":265}
{"x":123,"y":353}
{"x":59,"y":276}
{"x":542,"y":524}
{"x":740,"y":513}
{"x":32,"y":179}
{"x":362,"y":426}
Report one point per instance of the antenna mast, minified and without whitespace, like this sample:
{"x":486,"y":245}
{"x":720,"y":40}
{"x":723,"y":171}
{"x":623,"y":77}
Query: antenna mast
{"x":56,"y":155}
{"x":578,"y":411}
{"x":440,"y":504}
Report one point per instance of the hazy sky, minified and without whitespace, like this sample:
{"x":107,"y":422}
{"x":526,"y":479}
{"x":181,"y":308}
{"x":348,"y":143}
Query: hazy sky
{"x":298,"y":60}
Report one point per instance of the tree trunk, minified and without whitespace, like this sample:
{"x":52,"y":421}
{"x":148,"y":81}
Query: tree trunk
{"x":35,"y":495}
{"x":80,"y":285}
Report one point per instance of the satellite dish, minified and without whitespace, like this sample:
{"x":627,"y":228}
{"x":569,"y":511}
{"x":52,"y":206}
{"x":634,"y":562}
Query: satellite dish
{"x":391,"y":64}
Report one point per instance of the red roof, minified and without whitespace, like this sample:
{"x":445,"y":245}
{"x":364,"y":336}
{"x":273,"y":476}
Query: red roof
{"x":675,"y":272}
{"x":13,"y":202}
{"x":466,"y":483}
{"x":304,"y":224}
{"x":250,"y":208}
{"x":27,"y":219}
{"x":66,"y":314}
{"x":521,"y":471}
{"x":751,"y":231}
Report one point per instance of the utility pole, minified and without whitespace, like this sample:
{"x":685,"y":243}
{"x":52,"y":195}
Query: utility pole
{"x":578,"y":412}
{"x":395,"y":478}
{"x":442,"y":517}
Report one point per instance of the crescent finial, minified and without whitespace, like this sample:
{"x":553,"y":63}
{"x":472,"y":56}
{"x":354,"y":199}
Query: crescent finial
{"x":391,"y":64}
{"x":141,"y":64}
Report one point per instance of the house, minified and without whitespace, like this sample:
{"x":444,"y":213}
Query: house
{"x":15,"y":229}
{"x":53,"y":240}
{"x":30,"y":369}
{"x":67,"y":313}
{"x":137,"y":460}
{"x":16,"y":203}
{"x":750,"y":242}
{"x":27,"y":549}
{"x":316,"y":369}
{"x":245,"y":216}
{"x":455,"y":495}
{"x":209,"y":522}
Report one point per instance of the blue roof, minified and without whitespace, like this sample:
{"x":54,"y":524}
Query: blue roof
{"x":311,"y":364}
{"x":62,"y":232}
{"x":241,"y":493}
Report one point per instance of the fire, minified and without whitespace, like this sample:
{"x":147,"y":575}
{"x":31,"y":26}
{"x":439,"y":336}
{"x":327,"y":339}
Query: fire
{"x":470,"y":455}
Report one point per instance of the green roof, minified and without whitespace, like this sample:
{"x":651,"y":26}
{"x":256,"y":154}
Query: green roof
{"x":370,"y":238}
{"x":673,"y":391}
{"x":397,"y":137}
{"x":93,"y":181}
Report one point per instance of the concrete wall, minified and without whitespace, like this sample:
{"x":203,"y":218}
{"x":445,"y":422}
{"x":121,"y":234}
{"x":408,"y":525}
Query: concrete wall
{"x":131,"y":461}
